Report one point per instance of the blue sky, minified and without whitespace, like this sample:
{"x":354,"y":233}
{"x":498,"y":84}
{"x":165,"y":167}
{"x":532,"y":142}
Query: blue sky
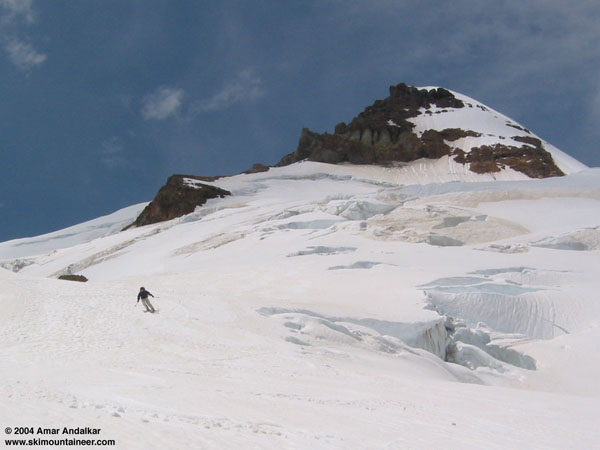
{"x":102,"y":100}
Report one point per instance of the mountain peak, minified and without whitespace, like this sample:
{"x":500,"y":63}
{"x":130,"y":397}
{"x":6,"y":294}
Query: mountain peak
{"x":408,"y":125}
{"x":413,"y":123}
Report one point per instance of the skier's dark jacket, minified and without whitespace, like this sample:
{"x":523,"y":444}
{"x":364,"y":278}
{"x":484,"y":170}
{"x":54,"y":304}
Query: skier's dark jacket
{"x":144,"y":295}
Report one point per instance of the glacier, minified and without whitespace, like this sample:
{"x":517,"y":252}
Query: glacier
{"x":319,"y":307}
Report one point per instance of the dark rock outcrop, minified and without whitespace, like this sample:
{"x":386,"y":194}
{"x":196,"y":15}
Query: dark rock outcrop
{"x":257,"y":168}
{"x":532,"y":159}
{"x":381,"y":134}
{"x":177,"y":198}
{"x":71,"y":277}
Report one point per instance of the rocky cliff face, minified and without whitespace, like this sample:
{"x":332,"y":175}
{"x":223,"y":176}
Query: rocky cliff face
{"x":180,"y":196}
{"x":384,"y":134}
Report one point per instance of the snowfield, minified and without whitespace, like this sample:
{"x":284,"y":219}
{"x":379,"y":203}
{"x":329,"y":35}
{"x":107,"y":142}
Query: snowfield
{"x":319,"y":307}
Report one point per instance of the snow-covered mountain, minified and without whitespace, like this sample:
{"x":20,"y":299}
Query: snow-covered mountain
{"x":432,"y":122}
{"x":319,"y":306}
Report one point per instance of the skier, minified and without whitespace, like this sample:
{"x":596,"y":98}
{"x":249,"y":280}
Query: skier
{"x":143,"y":294}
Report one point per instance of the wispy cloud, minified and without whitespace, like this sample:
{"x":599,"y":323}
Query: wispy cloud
{"x":245,"y":88}
{"x":21,"y":53}
{"x":162,"y":103}
{"x":112,"y":153}
{"x":512,"y":39}
{"x":15,"y":8}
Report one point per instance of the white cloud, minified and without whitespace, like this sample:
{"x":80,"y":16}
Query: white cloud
{"x":18,"y":8}
{"x":162,"y":103}
{"x":246,"y":87}
{"x":23,"y":55}
{"x":20,"y":53}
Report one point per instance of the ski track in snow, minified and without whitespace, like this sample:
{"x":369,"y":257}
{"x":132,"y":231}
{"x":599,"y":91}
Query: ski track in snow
{"x":314,"y":309}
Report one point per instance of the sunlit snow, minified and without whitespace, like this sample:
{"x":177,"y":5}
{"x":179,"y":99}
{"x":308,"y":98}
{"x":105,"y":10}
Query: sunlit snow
{"x":319,"y":307}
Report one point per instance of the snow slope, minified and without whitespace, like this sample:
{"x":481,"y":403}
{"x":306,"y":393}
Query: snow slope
{"x":87,"y":231}
{"x":493,"y":126}
{"x":320,"y":307}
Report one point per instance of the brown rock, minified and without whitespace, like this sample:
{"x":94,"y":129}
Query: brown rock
{"x":257,"y":168}
{"x":177,"y":198}
{"x":79,"y":278}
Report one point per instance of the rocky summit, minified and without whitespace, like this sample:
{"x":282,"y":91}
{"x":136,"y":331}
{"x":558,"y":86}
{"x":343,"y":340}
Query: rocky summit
{"x":392,"y":130}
